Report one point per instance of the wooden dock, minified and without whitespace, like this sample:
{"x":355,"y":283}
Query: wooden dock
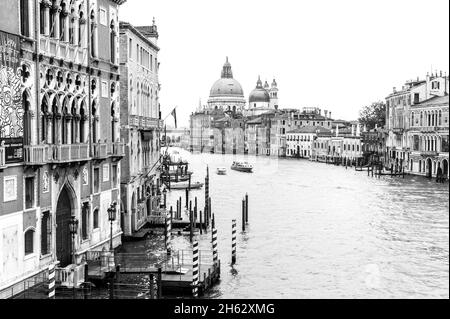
{"x":176,"y":269}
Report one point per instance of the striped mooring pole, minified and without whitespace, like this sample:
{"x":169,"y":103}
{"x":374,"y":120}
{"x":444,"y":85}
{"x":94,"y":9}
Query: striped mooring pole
{"x":233,"y":242}
{"x":214,"y":246}
{"x":51,"y":281}
{"x":168,"y":233}
{"x":195,"y":272}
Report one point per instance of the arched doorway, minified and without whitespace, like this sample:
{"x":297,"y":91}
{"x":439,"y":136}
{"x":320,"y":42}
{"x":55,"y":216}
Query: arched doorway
{"x":445,"y":167}
{"x":429,"y":168}
{"x":63,"y":238}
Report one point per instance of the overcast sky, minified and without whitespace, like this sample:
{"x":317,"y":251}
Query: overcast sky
{"x":336,"y":55}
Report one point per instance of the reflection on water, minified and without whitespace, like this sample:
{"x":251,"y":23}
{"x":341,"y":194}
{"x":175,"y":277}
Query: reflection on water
{"x":321,"y":231}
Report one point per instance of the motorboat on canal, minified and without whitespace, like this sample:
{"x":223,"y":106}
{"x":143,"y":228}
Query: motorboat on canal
{"x":184,"y":185}
{"x":242,"y":167}
{"x":221,"y":171}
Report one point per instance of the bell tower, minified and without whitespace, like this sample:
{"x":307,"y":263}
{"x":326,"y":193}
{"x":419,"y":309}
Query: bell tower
{"x":273,"y":92}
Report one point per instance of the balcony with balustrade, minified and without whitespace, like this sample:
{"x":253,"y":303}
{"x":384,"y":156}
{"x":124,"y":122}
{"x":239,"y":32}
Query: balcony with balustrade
{"x":62,"y":50}
{"x":67,"y":153}
{"x":36,"y":155}
{"x":118,"y":150}
{"x":144,"y":122}
{"x":101,"y":151}
{"x":2,"y":157}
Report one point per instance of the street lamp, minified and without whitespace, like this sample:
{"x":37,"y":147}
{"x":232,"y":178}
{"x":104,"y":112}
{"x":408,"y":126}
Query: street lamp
{"x":111,"y":217}
{"x":73,"y":228}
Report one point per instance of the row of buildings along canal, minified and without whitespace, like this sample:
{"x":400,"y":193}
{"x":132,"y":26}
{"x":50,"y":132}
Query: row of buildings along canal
{"x":80,"y":126}
{"x":414,"y":140}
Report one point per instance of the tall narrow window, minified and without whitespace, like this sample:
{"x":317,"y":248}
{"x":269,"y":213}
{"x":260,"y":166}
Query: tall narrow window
{"x":52,"y":23}
{"x":93,"y":31}
{"x":62,"y":22}
{"x":113,"y":42}
{"x":96,"y":180}
{"x":130,"y":48}
{"x":114,"y":175}
{"x":94,"y":128}
{"x":46,"y":232}
{"x":44,"y":126}
{"x":29,"y":192}
{"x":95,"y":222}
{"x":29,"y":242}
{"x":82,"y":123}
{"x":81,"y":22}
{"x":24,"y":18}
{"x":42,"y":18}
{"x":26,"y":119}
{"x":113,"y":124}
{"x":85,"y":221}
{"x":72,"y":28}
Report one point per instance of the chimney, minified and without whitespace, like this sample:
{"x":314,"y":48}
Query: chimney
{"x":365,"y":128}
{"x":329,"y":114}
{"x":353,"y":130}
{"x":326,"y":113}
{"x":440,"y":73}
{"x":337,"y":130}
{"x":358,"y":130}
{"x":376,"y":126}
{"x":395,"y":89}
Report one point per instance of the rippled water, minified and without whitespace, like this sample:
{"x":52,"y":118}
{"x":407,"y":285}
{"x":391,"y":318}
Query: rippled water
{"x":321,"y":231}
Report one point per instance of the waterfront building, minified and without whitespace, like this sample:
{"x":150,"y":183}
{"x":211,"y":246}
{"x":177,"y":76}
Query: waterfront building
{"x":373,"y":145}
{"x":59,"y":136}
{"x":399,"y":106}
{"x":428,"y":137}
{"x":300,"y":141}
{"x":140,"y":124}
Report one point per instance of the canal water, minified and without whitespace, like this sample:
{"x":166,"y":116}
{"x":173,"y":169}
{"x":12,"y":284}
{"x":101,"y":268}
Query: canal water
{"x":321,"y":231}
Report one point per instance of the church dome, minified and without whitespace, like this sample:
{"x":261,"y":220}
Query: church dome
{"x":226,"y":85}
{"x":259,"y":94}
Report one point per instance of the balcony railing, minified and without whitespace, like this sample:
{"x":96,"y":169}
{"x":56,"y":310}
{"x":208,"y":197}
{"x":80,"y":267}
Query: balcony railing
{"x":63,"y":50}
{"x":2,"y":157}
{"x":36,"y":154}
{"x":100,"y":150}
{"x":69,"y":153}
{"x":429,"y":153}
{"x":144,"y":122}
{"x":118,"y":149}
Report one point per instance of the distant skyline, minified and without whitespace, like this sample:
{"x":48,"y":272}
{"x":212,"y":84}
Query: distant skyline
{"x":336,"y":55}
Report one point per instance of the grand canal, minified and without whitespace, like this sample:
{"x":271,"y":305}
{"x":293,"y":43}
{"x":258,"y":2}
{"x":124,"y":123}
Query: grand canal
{"x":321,"y":231}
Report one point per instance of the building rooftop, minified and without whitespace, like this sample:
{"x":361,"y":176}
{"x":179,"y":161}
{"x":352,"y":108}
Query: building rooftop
{"x":310,"y":130}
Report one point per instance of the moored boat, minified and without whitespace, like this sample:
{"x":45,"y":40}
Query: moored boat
{"x":195,"y":185}
{"x":242,"y":167}
{"x":221,"y":171}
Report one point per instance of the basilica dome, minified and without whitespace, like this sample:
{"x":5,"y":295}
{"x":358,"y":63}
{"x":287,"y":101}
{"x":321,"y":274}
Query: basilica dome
{"x":259,"y":94}
{"x":226,"y":85}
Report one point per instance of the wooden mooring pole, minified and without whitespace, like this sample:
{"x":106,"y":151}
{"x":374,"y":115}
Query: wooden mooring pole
{"x":159,"y":286}
{"x":191,"y":230}
{"x":152,"y":286}
{"x":246,"y":208}
{"x":51,"y":281}
{"x":233,"y":242}
{"x":201,"y":223}
{"x":214,"y":246}
{"x":195,"y":272}
{"x":243,"y":215}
